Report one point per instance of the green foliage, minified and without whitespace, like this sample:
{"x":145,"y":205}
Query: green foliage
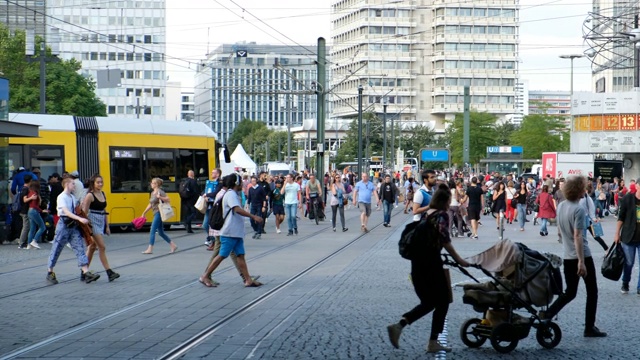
{"x":482,"y":133}
{"x":256,"y":138}
{"x":349,"y":149}
{"x":541,"y":133}
{"x":504,"y":132}
{"x":67,"y":91}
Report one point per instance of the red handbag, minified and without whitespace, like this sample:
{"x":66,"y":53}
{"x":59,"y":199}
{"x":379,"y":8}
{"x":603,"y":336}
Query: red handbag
{"x":139,"y":222}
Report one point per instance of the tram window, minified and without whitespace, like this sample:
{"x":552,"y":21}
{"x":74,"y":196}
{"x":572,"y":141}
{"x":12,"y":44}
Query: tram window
{"x":202,"y":165}
{"x":15,"y":159}
{"x":185,"y":162}
{"x":196,"y":160}
{"x":126,"y":174}
{"x":161,"y":164}
{"x":48,"y":158}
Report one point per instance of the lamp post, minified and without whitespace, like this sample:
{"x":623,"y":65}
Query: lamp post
{"x":571,"y":57}
{"x":384,"y":133}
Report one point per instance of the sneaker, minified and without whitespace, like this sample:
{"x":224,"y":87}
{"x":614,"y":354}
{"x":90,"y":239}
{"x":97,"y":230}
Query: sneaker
{"x":474,"y":237}
{"x":344,"y":229}
{"x":34,"y":244}
{"x":51,"y":277}
{"x":89,"y":277}
{"x":625,"y":288}
{"x":290,"y":233}
{"x":82,"y":277}
{"x":254,"y":235}
{"x":22,"y":247}
{"x":278,"y":231}
{"x":434,"y":346}
{"x":258,"y":236}
{"x":69,"y":246}
{"x":395,"y":330}
{"x":334,"y":229}
{"x":113,"y":276}
{"x":207,"y":242}
{"x":594,"y":332}
{"x":295,"y":231}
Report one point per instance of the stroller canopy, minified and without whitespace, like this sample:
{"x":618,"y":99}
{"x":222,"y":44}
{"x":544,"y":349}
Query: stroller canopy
{"x":498,"y":257}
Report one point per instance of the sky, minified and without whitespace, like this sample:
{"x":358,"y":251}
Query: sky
{"x":548,"y":29}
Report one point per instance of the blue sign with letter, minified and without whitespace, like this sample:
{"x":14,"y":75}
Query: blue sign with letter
{"x":434,"y":155}
{"x":504,"y":149}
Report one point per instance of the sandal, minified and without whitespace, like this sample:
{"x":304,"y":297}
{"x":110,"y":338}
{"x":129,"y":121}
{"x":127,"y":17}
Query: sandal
{"x":147,"y":252}
{"x":206,"y":282}
{"x":254,"y":284}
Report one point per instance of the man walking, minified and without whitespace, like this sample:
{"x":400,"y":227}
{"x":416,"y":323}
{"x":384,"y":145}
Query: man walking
{"x":474,"y":193}
{"x":257,"y":200}
{"x":422,"y":197}
{"x":24,"y":209}
{"x":189,"y":194}
{"x":387,"y":195}
{"x":628,"y":233}
{"x":578,"y":262}
{"x":364,"y":190}
{"x":268,"y":190}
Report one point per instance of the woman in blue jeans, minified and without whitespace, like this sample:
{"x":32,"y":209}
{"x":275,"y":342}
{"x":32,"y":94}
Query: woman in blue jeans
{"x":292,"y":204}
{"x":35,"y":219}
{"x":520,"y":197}
{"x":157,"y":195}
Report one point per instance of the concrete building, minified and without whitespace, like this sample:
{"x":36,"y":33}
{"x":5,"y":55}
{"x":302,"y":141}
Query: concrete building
{"x":250,"y":81}
{"x":556,"y":103}
{"x":522,"y":102}
{"x":187,"y":106}
{"x":125,"y":37}
{"x":24,"y":15}
{"x":418,"y":57}
{"x":173,"y":101}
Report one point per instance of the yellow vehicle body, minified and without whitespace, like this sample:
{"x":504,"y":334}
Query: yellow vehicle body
{"x":127,"y":153}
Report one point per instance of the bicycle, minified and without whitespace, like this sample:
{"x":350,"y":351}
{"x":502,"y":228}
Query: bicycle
{"x":315,"y":210}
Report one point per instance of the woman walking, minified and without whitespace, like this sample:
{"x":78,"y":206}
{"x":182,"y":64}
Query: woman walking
{"x":94,"y":204}
{"x":601,"y":200}
{"x":338,"y":194}
{"x":520,"y":198}
{"x":547,"y":209}
{"x":409,"y":192}
{"x":427,"y":273}
{"x":34,"y":215}
{"x":512,"y":213}
{"x":278,"y":204}
{"x":499,"y":202}
{"x":157,"y":195}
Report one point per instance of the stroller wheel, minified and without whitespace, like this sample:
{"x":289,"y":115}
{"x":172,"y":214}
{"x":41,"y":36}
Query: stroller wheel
{"x":549,"y":335}
{"x":503,"y":338}
{"x":470,"y":335}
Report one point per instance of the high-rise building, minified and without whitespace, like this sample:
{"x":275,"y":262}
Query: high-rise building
{"x":187,"y":107}
{"x":121,"y":43}
{"x":522,"y":102}
{"x":555,"y":103}
{"x":24,"y":15}
{"x":418,"y":56}
{"x":269,"y":83}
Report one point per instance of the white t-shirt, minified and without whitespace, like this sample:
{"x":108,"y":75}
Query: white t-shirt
{"x":510,"y":192}
{"x":417,"y":199}
{"x":65,"y":200}
{"x":234,"y":224}
{"x":454,"y":199}
{"x":79,"y":192}
{"x":291,"y":193}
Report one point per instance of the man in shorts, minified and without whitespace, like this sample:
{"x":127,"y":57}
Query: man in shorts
{"x":232,"y":232}
{"x":474,"y":193}
{"x":363,"y":191}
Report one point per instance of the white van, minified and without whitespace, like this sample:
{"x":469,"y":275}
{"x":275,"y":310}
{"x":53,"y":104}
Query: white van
{"x":277,"y":168}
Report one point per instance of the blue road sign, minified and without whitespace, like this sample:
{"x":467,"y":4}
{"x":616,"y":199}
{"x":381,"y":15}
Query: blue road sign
{"x":434,"y":155}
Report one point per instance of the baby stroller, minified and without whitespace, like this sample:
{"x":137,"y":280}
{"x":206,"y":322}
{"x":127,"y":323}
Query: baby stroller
{"x":488,"y":203}
{"x":522,"y":279}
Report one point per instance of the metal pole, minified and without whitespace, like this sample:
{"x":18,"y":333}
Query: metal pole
{"x":309,"y":141}
{"x":321,"y":66}
{"x":393,"y":148}
{"x":360,"y":88}
{"x":138,"y":107}
{"x":43,"y":79}
{"x":289,"y":130}
{"x":465,"y":126}
{"x":571,"y":88}
{"x":636,"y":59}
{"x":384,"y":135}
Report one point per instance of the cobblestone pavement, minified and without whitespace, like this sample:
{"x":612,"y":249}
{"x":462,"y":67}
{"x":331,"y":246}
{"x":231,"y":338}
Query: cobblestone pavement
{"x":338,"y":310}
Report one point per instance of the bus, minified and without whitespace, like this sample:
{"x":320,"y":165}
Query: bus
{"x":127,"y":152}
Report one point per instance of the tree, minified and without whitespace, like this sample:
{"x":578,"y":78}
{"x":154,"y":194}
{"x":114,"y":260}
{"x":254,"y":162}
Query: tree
{"x":67,"y":92}
{"x":482,"y":133}
{"x":541,"y":133}
{"x":278,"y":146}
{"x":504,"y":132}
{"x":243,"y":130}
{"x":349,"y":149}
{"x":420,"y":137}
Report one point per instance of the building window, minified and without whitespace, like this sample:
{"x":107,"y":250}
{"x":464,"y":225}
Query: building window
{"x":111,"y":109}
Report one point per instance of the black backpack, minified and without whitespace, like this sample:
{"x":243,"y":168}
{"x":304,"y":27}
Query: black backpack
{"x":184,"y":190}
{"x":406,"y":244}
{"x":216,"y":218}
{"x":409,"y":246}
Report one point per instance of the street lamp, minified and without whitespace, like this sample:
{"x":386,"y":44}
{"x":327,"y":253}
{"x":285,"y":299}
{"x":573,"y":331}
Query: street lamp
{"x":571,"y":57}
{"x":360,"y":89}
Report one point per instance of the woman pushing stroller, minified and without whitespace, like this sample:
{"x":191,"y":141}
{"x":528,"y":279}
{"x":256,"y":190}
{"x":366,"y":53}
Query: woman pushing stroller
{"x":427,"y":273}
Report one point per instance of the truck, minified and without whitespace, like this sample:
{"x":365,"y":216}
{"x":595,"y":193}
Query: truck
{"x":562,"y":165}
{"x":277,"y":168}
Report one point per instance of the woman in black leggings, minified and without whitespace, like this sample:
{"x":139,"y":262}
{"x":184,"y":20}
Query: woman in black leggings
{"x":427,"y":273}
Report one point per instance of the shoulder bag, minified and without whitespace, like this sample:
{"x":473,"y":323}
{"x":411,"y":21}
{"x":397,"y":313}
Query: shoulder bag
{"x":166,"y":211}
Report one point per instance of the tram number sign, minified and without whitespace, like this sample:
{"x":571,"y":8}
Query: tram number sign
{"x":628,"y":122}
{"x":612,"y":122}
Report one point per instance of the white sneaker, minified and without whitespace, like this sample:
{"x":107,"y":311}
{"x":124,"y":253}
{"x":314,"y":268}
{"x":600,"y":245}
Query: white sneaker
{"x":278,"y":231}
{"x":34,"y":244}
{"x":69,"y":246}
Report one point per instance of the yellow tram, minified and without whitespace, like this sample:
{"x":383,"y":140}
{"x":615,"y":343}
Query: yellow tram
{"x":127,"y":152}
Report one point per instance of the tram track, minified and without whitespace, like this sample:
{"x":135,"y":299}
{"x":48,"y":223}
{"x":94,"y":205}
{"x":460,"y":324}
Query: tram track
{"x":212,"y":329}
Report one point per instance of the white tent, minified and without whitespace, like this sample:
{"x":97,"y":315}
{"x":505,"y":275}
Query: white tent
{"x":240,"y":157}
{"x":227,"y":168}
